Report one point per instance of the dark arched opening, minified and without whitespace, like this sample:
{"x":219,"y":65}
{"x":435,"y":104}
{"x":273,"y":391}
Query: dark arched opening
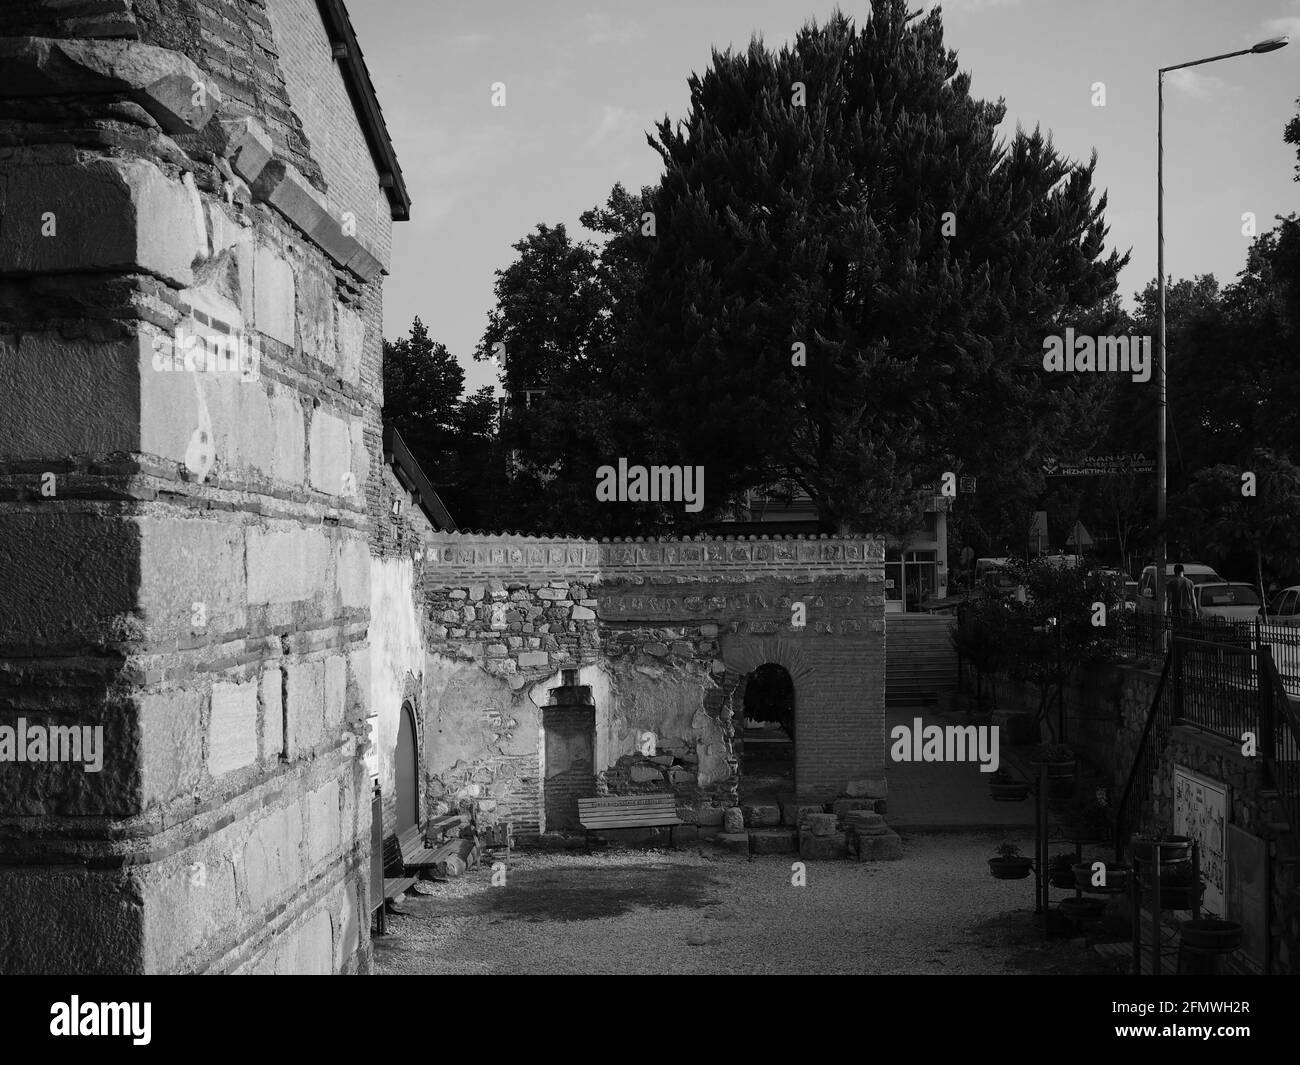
{"x":767,"y":758}
{"x":407,"y":763}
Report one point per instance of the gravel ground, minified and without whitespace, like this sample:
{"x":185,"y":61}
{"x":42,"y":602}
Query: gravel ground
{"x":698,"y":910}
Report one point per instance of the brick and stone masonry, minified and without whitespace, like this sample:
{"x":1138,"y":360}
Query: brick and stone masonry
{"x":664,"y":634}
{"x":187,"y":554}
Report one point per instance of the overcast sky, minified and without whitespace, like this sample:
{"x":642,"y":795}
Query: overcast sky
{"x":584,"y":82}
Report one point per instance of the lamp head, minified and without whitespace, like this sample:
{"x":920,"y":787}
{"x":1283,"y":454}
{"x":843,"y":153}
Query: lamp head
{"x":1272,"y":44}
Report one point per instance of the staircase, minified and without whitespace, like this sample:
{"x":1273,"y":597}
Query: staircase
{"x":920,"y":662}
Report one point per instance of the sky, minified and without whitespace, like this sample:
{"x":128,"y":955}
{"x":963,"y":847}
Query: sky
{"x":585,"y":83}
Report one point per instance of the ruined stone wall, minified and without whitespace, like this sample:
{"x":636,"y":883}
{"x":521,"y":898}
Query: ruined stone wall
{"x":663,"y":634}
{"x":187,"y":546}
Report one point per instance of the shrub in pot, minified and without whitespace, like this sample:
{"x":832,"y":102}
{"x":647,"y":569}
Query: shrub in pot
{"x":1173,"y":850}
{"x":1010,"y":864}
{"x":1004,"y":787}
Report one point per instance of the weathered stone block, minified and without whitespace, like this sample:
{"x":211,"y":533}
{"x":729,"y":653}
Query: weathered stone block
{"x":886,"y":848}
{"x":761,"y":815}
{"x":820,"y":824}
{"x":872,"y":788}
{"x":274,"y":296}
{"x":840,"y":807}
{"x":323,"y":829}
{"x":822,"y":847}
{"x":733,"y":820}
{"x":655,"y":648}
{"x":351,"y":345}
{"x":270,"y":694}
{"x":533,"y":659}
{"x":552,"y":594}
{"x":285,"y":563}
{"x":581,"y":613}
{"x":305,"y":685}
{"x":107,"y":214}
{"x":711,"y":816}
{"x":794,"y":814}
{"x":736,"y":842}
{"x":249,"y":147}
{"x":336,"y":673}
{"x":773,"y":841}
{"x":330,"y":445}
{"x":643,"y":774}
{"x":232,"y":734}
{"x":171,"y":730}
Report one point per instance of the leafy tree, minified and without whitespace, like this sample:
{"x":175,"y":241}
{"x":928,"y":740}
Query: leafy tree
{"x":880,"y":222}
{"x":1267,"y":525}
{"x":448,"y":436}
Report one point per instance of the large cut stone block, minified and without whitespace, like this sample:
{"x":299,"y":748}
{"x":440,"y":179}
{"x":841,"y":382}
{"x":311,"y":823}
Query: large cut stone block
{"x":870,"y":788}
{"x":274,"y":300}
{"x":330,"y":443}
{"x":733,"y":821}
{"x":62,"y":398}
{"x":886,"y":848}
{"x":270,"y":695}
{"x":773,"y":841}
{"x":819,"y":824}
{"x":761,"y":815}
{"x":306,"y":697}
{"x":709,"y":816}
{"x":171,"y":732}
{"x":736,"y":842}
{"x":102,"y":214}
{"x":167,"y":84}
{"x":272,"y":857}
{"x":351,"y":345}
{"x":285,"y":564}
{"x":794,"y":814}
{"x":323,"y":830}
{"x":820,"y":847}
{"x":232,"y":735}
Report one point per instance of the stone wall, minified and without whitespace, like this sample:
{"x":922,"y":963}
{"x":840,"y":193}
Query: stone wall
{"x":664,"y":634}
{"x":186,"y":545}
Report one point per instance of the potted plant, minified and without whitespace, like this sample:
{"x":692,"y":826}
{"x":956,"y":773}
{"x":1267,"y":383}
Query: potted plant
{"x":1085,"y":820}
{"x":1004,"y":787}
{"x":1060,"y":870}
{"x":1116,"y":878}
{"x":1211,"y":933}
{"x":1010,"y":864}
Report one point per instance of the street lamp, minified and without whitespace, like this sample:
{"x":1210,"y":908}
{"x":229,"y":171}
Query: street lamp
{"x":1270,"y":45}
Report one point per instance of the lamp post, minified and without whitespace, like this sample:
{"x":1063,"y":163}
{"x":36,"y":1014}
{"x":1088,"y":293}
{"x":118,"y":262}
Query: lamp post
{"x":1270,"y":45}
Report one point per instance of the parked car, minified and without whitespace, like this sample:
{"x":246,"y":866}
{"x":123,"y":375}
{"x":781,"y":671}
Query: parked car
{"x":1228,"y":599}
{"x":1196,"y":572}
{"x":991,"y":575}
{"x":1284,"y":607}
{"x":1123,"y":592}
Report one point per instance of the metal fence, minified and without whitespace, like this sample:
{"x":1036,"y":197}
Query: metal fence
{"x":1148,"y":635}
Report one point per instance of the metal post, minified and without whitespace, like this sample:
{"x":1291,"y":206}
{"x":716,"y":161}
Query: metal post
{"x":1162,"y":393}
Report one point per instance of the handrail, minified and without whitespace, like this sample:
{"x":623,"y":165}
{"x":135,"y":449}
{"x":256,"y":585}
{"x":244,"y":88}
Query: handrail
{"x":1140,"y":759}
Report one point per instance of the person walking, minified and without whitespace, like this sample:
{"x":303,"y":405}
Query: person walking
{"x":1182,"y":594}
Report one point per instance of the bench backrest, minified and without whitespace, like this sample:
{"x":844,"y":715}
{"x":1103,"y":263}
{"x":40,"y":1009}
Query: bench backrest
{"x":621,"y":805}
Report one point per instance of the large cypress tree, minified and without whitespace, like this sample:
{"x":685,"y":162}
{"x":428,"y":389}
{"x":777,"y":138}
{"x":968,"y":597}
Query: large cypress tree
{"x":849,"y":194}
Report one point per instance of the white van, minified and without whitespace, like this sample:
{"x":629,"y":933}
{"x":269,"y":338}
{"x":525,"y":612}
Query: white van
{"x":1194,"y":571}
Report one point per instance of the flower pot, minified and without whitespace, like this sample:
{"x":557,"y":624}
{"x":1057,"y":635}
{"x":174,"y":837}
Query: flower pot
{"x":1083,"y":911}
{"x":1016,"y":792}
{"x":1010,"y":868}
{"x":1211,"y":933}
{"x":1173,"y":850}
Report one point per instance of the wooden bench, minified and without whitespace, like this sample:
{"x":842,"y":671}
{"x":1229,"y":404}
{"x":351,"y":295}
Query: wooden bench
{"x":628,"y":811}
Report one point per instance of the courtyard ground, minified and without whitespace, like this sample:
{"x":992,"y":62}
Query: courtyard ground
{"x":697,"y":910}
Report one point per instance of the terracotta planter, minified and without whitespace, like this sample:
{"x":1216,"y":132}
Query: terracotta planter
{"x":1010,"y":868}
{"x":1211,"y":933}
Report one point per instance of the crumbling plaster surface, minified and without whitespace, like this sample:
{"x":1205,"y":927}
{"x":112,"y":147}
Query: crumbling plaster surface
{"x":396,"y":654}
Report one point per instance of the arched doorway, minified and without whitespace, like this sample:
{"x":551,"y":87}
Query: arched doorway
{"x":767,"y":764}
{"x":407,"y":766}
